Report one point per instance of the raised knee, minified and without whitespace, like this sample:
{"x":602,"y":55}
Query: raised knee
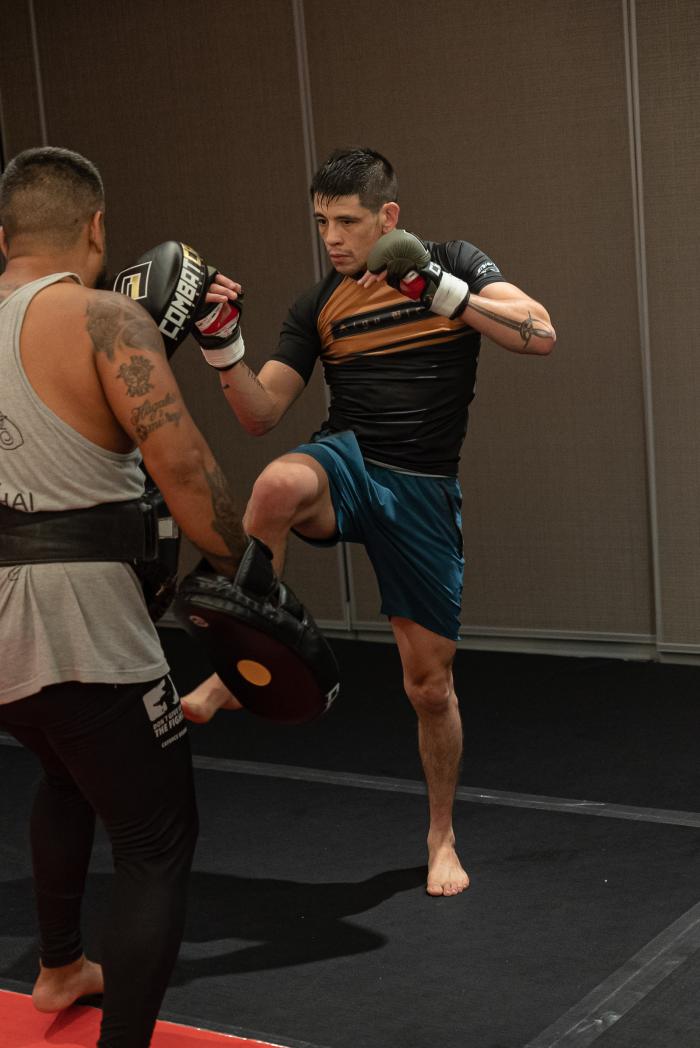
{"x":276,"y":496}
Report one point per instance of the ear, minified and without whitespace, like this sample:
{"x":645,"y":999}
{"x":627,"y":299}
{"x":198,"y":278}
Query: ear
{"x":3,"y":243}
{"x":390,"y":216}
{"x":96,"y":231}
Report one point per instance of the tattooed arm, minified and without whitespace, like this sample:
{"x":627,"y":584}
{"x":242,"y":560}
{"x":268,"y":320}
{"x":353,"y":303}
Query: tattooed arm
{"x":509,"y":317}
{"x":259,"y":401}
{"x":143,"y":394}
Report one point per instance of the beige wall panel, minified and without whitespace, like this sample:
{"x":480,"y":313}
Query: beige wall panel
{"x":508,"y":126}
{"x":669,"y":73}
{"x":192,"y":113}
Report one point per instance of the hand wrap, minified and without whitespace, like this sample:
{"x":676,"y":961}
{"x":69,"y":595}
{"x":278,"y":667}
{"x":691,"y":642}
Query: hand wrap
{"x":411,"y":271}
{"x":218,"y":330}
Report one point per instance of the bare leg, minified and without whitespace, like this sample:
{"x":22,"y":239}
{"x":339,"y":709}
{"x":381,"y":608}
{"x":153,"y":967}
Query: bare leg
{"x":58,"y":988}
{"x":292,"y":491}
{"x":427,"y":666}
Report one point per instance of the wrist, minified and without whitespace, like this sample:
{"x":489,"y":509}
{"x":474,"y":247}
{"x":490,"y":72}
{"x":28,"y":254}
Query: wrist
{"x":451,"y":296}
{"x":224,"y":357}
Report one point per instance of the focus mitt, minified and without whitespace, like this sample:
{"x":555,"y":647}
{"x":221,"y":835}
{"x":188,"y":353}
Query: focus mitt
{"x":170,"y":282}
{"x":262,"y":642}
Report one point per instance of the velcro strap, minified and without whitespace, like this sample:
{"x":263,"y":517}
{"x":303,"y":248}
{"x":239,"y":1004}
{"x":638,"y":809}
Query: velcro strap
{"x":115,"y":531}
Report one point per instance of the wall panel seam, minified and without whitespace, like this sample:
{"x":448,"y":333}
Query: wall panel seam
{"x":629,"y":12}
{"x":3,"y":143}
{"x":38,"y":75}
{"x":307,"y":121}
{"x":311,"y":164}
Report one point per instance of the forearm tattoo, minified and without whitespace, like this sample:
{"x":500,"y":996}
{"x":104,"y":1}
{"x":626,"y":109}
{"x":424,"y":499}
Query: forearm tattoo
{"x":525,"y":328}
{"x":226,"y":522}
{"x":112,"y":323}
{"x":251,"y":375}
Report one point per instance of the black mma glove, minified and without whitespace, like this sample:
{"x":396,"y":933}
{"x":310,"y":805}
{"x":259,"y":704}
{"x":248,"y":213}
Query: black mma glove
{"x":170,"y":282}
{"x":217,"y":329}
{"x":412,"y":272}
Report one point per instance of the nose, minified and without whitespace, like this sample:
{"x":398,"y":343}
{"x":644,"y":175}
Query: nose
{"x":333,"y":233}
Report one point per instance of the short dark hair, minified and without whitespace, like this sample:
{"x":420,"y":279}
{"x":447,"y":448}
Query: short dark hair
{"x":49,"y":193}
{"x":356,"y":170}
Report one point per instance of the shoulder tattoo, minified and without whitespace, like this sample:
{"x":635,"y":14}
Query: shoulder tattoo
{"x":111,"y":323}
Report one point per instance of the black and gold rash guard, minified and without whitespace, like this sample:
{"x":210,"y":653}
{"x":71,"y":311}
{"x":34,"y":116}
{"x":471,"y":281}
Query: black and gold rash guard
{"x":400,"y":377}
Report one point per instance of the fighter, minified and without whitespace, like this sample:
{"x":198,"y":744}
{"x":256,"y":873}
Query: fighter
{"x":397,"y":326}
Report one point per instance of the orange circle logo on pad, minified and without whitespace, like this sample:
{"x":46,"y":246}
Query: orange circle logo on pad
{"x":254,"y":672}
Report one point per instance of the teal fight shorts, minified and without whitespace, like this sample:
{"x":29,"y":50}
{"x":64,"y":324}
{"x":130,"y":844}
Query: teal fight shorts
{"x":410,"y":525}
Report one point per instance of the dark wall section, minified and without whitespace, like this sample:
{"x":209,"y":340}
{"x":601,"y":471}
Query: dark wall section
{"x":193,"y":117}
{"x":669,"y":43}
{"x":510,"y":125}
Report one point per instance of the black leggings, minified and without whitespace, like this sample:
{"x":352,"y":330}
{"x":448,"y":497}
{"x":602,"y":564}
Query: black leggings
{"x":121,"y":752}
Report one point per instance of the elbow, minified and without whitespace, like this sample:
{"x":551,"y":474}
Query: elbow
{"x":545,"y":343}
{"x":258,"y":427}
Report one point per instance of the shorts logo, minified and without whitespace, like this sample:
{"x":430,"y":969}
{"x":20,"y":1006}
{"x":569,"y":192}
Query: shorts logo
{"x":133,"y":282}
{"x":165,"y":712}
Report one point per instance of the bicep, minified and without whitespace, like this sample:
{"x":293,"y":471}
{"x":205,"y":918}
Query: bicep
{"x":135,"y":375}
{"x":502,"y":291}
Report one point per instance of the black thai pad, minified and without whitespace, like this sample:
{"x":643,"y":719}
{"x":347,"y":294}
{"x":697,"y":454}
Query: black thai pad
{"x":267,"y":649}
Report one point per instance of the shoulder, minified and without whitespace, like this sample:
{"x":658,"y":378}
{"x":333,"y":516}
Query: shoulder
{"x":311,"y":302}
{"x":113,"y":320}
{"x":112,"y":303}
{"x":465,"y":260}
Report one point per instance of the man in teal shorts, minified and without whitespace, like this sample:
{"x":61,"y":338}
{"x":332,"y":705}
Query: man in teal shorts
{"x":397,"y":325}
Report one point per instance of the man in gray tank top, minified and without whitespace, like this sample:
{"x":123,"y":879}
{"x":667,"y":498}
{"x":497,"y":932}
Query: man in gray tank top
{"x":86,"y":391}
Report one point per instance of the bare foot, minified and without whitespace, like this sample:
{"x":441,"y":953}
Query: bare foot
{"x":207,"y":699}
{"x":445,"y":873}
{"x":58,"y":988}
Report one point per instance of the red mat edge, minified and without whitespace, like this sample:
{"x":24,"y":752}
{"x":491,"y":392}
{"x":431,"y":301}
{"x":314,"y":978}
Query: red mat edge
{"x":33,"y":1026}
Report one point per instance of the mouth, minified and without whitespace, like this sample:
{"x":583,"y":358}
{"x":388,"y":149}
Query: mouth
{"x":337,"y":258}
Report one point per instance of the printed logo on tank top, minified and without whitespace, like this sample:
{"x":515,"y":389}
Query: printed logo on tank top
{"x":10,"y":436}
{"x":20,"y":500}
{"x":163,"y":707}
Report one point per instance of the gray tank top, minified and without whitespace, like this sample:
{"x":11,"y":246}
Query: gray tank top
{"x":59,"y":622}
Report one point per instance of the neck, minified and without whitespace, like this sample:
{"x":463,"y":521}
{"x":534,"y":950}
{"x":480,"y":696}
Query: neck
{"x":22,"y":268}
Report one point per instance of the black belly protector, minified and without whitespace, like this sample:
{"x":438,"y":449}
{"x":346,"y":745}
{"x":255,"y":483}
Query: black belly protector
{"x":139,"y":532}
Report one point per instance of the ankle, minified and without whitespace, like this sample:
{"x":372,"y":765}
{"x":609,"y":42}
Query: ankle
{"x":62,"y":971}
{"x":439,"y":837}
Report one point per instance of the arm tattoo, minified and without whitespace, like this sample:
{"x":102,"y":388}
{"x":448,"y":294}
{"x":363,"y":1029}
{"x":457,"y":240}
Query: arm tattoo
{"x":111,"y":323}
{"x":526,"y":328}
{"x":151,"y":415}
{"x":226,"y":522}
{"x":136,"y":375}
{"x":251,"y":375}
